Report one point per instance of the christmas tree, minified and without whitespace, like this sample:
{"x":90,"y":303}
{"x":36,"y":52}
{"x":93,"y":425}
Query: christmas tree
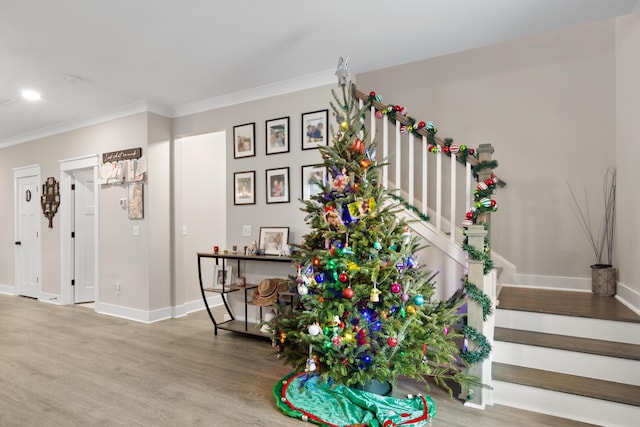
{"x":367,"y":309}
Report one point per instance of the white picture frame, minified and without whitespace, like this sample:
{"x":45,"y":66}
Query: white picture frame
{"x":222,"y":277}
{"x":274,"y":240}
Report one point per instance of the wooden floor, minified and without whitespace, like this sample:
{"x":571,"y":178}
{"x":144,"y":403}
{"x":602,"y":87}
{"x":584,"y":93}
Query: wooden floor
{"x":568,"y":303}
{"x":68,"y":366}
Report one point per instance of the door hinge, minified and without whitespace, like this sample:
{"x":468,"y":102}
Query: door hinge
{"x":73,"y":186}
{"x":73,"y":282}
{"x":73,"y":234}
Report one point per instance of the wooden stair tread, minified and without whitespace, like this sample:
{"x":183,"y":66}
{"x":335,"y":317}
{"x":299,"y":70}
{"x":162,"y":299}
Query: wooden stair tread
{"x":565,"y":383}
{"x":566,"y":303}
{"x":563,"y":342}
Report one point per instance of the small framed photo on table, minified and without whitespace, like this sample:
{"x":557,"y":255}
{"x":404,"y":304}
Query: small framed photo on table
{"x":222,"y":277}
{"x":244,"y":140}
{"x":244,"y":188}
{"x":274,"y":240}
{"x":278,"y":136}
{"x":314,"y":129}
{"x":278,"y":185}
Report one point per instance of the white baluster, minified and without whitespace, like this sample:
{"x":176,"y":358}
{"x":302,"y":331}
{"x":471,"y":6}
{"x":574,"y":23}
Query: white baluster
{"x":385,"y":151}
{"x":438,"y":190}
{"x":425,"y":175}
{"x":470,"y":186}
{"x":452,"y":218}
{"x":398,"y":154}
{"x":411,"y":168}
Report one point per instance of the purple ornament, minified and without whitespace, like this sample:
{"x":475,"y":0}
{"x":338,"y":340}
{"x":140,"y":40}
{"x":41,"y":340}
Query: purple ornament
{"x":405,"y":297}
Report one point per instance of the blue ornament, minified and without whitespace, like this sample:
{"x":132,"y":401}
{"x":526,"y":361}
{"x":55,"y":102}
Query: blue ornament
{"x":411,"y":263}
{"x":375,"y":326}
{"x":377,"y":246}
{"x":418,"y":300}
{"x":366,"y":359}
{"x":319,"y":278}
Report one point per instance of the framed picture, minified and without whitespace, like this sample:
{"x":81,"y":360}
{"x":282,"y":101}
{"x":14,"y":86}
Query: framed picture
{"x":313,"y":176}
{"x":314,"y":129}
{"x":222,"y":277}
{"x":244,"y":140}
{"x":244,"y":188}
{"x":278,"y":136}
{"x":273,"y":240}
{"x":135,"y":201}
{"x":278,"y":185}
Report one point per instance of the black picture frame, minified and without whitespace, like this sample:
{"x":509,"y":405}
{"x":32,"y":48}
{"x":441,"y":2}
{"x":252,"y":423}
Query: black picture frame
{"x":311,"y":176}
{"x":277,"y":136}
{"x":244,"y":140}
{"x":277,"y":185}
{"x":274,"y":240}
{"x":244,"y":188}
{"x":315,"y":129}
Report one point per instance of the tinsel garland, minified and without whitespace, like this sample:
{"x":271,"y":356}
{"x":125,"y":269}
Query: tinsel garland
{"x":483,"y":348}
{"x":475,"y":294}
{"x":411,"y":207}
{"x":477,"y":255}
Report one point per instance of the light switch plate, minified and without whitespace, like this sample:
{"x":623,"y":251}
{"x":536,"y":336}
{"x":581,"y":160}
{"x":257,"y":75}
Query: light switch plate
{"x":135,"y":230}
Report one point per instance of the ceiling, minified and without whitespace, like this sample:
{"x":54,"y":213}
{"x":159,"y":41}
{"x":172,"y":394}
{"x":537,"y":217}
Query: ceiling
{"x":99,"y":59}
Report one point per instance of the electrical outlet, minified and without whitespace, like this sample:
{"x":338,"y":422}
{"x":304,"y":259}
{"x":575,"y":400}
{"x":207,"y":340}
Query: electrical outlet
{"x":246,"y":231}
{"x":118,"y":288}
{"x":135,"y":231}
{"x":184,"y":230}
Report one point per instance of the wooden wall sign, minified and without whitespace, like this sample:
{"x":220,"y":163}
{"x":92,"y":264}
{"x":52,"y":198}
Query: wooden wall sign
{"x":50,"y":199}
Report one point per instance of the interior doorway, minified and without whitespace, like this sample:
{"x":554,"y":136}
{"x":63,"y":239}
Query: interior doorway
{"x":79,"y":238}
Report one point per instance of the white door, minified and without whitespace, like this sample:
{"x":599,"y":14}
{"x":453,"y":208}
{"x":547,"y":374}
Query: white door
{"x":27,"y":236}
{"x":84,"y":236}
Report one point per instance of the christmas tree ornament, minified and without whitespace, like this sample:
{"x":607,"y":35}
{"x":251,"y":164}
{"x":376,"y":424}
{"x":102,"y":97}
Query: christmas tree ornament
{"x":482,"y":186}
{"x":453,"y":148}
{"x":377,"y":246}
{"x":358,"y":146}
{"x":446,"y":330}
{"x":343,"y":277}
{"x":314,"y":329}
{"x":303,"y":290}
{"x":411,"y":309}
{"x":392,"y":341}
{"x":348,"y":292}
{"x":372,"y":94}
{"x":379,"y":114}
{"x":403,"y":130}
{"x":375,"y":295}
{"x":396,"y":288}
{"x":418,"y":300}
{"x":337,"y":340}
{"x":375,"y":326}
{"x":405,"y":297}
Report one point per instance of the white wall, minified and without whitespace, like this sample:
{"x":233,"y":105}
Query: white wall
{"x":547,"y":104}
{"x":627,"y":244}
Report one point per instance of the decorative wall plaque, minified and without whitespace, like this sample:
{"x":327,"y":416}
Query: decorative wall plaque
{"x":50,"y":199}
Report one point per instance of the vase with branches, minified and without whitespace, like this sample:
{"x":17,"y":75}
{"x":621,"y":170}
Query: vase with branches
{"x":601,"y":238}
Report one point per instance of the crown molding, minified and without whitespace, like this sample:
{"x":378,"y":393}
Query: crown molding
{"x":280,"y":88}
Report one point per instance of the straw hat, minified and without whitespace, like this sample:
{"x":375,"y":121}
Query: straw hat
{"x":267,"y":291}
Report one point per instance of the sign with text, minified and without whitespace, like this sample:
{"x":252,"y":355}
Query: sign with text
{"x":117,"y":156}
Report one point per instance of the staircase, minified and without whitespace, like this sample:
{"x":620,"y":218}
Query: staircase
{"x":569,"y":354}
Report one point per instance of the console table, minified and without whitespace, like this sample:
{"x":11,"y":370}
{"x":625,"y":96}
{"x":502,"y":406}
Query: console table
{"x":232,"y":324}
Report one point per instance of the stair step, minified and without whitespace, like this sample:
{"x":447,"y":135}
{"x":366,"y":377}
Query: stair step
{"x":572,"y":384}
{"x":566,"y":303}
{"x":563,"y":342}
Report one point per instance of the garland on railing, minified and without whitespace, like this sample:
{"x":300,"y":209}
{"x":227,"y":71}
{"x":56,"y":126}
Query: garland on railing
{"x":476,"y":294}
{"x":483,"y":348}
{"x":423,"y":216}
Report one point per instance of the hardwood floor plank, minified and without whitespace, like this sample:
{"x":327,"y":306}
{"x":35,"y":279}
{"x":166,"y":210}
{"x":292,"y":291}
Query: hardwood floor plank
{"x":68,"y":366}
{"x":569,"y":303}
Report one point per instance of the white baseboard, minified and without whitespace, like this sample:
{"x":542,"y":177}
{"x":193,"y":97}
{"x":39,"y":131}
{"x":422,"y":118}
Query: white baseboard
{"x":7,"y":289}
{"x":157,"y":315}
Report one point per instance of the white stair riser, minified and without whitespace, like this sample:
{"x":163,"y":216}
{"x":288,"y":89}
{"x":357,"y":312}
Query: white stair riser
{"x":584,"y":409}
{"x":624,"y":332}
{"x":567,"y":362}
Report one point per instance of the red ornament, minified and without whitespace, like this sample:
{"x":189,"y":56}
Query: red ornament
{"x":490,"y":182}
{"x":392,"y":341}
{"x":469,"y":215}
{"x":372,"y":94}
{"x":358,"y":146}
{"x":445,"y":149}
{"x":421,"y":125}
{"x":329,"y":208}
{"x":348,"y":293}
{"x":493,"y":203}
{"x":343,"y":278}
{"x":471,"y":151}
{"x":397,"y":108}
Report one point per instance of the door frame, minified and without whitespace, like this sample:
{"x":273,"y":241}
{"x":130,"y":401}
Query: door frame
{"x":67,"y":168}
{"x":25,"y":172}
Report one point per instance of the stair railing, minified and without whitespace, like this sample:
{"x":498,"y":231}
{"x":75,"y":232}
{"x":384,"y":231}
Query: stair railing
{"x":419,"y":172}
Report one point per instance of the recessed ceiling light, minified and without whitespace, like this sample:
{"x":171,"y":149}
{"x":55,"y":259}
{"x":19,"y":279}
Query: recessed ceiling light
{"x":31,"y":95}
